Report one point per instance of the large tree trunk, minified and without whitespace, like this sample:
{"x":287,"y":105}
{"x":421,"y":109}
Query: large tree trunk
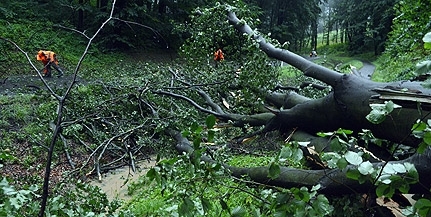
{"x":345,"y":107}
{"x":349,"y":103}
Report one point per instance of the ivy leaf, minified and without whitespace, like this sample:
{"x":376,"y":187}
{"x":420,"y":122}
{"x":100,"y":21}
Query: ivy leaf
{"x":353,"y":158}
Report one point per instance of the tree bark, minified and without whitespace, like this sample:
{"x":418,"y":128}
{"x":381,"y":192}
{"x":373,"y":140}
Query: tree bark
{"x":348,"y":104}
{"x":332,"y":181}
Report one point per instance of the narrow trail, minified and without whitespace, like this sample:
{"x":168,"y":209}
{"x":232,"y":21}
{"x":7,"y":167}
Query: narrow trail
{"x":27,"y":84}
{"x":367,"y":69}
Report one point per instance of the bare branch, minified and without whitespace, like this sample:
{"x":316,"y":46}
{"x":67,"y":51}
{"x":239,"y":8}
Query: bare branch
{"x":309,"y":68}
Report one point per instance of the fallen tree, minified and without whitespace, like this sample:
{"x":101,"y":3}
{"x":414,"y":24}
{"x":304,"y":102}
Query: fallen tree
{"x":389,"y":110}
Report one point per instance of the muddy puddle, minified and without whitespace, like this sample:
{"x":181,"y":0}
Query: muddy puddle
{"x":115,"y":183}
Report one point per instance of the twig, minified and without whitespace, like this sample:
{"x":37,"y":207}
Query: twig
{"x":71,"y":163}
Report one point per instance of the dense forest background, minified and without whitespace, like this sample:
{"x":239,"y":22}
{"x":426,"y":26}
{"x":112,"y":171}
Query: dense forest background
{"x":124,"y":99}
{"x":166,"y":24}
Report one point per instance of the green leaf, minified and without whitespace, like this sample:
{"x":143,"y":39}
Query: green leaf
{"x":423,"y":203}
{"x":274,"y":171}
{"x":423,"y":206}
{"x":223,"y":204}
{"x":376,"y":116}
{"x":151,"y":174}
{"x":365,"y":168}
{"x":404,"y":188}
{"x":390,"y":106}
{"x":297,"y":155}
{"x":344,"y":132}
{"x":353,"y":174}
{"x":285,"y":152}
{"x":316,"y":187}
{"x":238,"y":212}
{"x":186,"y":208}
{"x":211,"y":120}
{"x":380,"y":111}
{"x":384,"y":190}
{"x":427,"y":37}
{"x":420,"y":126}
{"x":399,"y":168}
{"x":206,"y":204}
{"x":353,"y":158}
{"x":423,"y":67}
{"x":211,"y":135}
{"x":427,"y":138}
{"x":322,"y":134}
{"x":342,"y":163}
{"x":385,"y":179}
{"x":422,"y":147}
{"x":427,"y":40}
{"x":388,"y":169}
{"x":336,"y":146}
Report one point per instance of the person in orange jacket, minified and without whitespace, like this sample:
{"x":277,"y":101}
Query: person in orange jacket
{"x":218,"y":55}
{"x":48,"y":58}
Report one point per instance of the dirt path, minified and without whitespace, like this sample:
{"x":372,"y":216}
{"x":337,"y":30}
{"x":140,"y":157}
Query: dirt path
{"x":367,"y":69}
{"x":31,"y":83}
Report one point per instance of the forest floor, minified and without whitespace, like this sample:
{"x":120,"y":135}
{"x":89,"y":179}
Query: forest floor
{"x":113,"y":183}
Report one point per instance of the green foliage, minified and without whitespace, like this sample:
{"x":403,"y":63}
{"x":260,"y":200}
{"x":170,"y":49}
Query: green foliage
{"x":409,"y":26}
{"x":181,"y":186}
{"x":367,"y":30}
{"x":15,"y":202}
{"x":81,"y":200}
{"x":387,"y":177}
{"x":394,"y":68}
{"x":187,"y":186}
{"x":289,"y":155}
{"x":380,"y":111}
{"x":348,"y":206}
{"x":427,"y":40}
{"x":209,"y":30}
{"x":422,"y":130}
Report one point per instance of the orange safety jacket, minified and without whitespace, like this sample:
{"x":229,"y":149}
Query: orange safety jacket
{"x":218,"y":55}
{"x":46,"y":57}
